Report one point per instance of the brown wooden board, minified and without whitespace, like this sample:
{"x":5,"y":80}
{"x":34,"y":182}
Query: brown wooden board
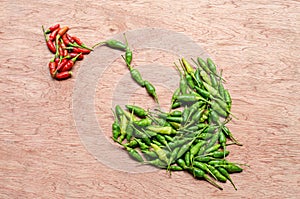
{"x":256,"y":43}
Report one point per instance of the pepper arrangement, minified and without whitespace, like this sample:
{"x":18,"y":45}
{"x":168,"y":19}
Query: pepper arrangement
{"x":192,"y":136}
{"x":67,"y":50}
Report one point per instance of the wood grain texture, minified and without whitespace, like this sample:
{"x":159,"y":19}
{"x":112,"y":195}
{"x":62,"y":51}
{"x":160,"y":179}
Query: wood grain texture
{"x":255,"y":42}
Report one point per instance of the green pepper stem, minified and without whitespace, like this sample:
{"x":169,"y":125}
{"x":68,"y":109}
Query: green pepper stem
{"x":45,"y":34}
{"x":80,"y":46}
{"x":100,"y":43}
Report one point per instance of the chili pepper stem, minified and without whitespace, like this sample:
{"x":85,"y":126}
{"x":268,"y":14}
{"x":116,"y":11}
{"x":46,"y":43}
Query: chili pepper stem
{"x":44,"y":33}
{"x":56,"y":43}
{"x":78,"y":46}
{"x":99,"y":44}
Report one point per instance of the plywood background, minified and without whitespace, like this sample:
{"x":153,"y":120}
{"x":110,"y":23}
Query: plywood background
{"x":255,"y":42}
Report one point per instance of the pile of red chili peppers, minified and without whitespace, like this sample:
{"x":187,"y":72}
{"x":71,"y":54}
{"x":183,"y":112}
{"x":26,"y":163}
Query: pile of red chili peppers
{"x":67,"y":50}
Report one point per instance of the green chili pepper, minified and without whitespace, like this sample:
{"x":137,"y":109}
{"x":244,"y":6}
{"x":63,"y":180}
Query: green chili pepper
{"x":203,"y":65}
{"x":138,"y":111}
{"x":123,"y":127}
{"x":139,"y":134}
{"x":166,"y":130}
{"x":198,"y":173}
{"x":185,"y":148}
{"x":175,"y":125}
{"x":132,"y":144}
{"x":222,"y":140}
{"x":173,"y":156}
{"x":151,"y":90}
{"x":176,"y":105}
{"x":176,"y":113}
{"x":112,"y":43}
{"x":175,"y":168}
{"x":216,"y":107}
{"x":142,"y":145}
{"x":181,"y":163}
{"x":168,"y":138}
{"x":197,"y":75}
{"x":219,"y":154}
{"x":187,"y":158}
{"x":190,"y":81}
{"x":128,"y":52}
{"x":217,"y":174}
{"x":116,"y":131}
{"x":174,"y":119}
{"x":228,"y":133}
{"x":211,"y":90}
{"x":213,"y":81}
{"x":211,"y":65}
{"x":232,"y":168}
{"x":205,"y":77}
{"x":226,"y":174}
{"x":129,"y":131}
{"x":187,"y":66}
{"x":162,"y":140}
{"x":134,"y":154}
{"x":221,"y":90}
{"x":179,"y":142}
{"x":203,"y":167}
{"x":162,"y":154}
{"x":157,"y":163}
{"x":202,"y":92}
{"x":174,"y":96}
{"x":143,"y":122}
{"x":212,"y":148}
{"x":119,"y":112}
{"x":203,"y":159}
{"x":149,"y":155}
{"x":137,"y":77}
{"x":195,"y":149}
{"x":190,"y":98}
{"x":227,"y":98}
{"x":135,"y":74}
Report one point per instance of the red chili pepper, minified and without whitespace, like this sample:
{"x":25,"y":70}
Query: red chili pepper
{"x":63,"y":62}
{"x":49,"y":43}
{"x":70,"y":64}
{"x":63,"y":30}
{"x":56,"y":60}
{"x":61,"y":51}
{"x":79,"y":50}
{"x":52,"y":66}
{"x":77,"y":40}
{"x":52,"y":28}
{"x":72,"y":55}
{"x":53,"y":34}
{"x":80,"y":43}
{"x":65,"y":39}
{"x":70,"y":38}
{"x":63,"y":75}
{"x":63,"y":46}
{"x":51,"y":46}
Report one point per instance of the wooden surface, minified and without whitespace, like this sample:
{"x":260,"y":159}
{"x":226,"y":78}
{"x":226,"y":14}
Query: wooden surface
{"x":255,"y":42}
